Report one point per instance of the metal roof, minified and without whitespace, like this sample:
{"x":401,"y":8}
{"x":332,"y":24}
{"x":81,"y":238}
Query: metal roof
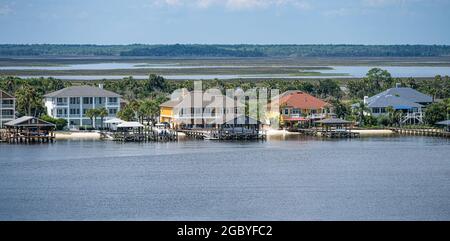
{"x":396,"y":102}
{"x":82,"y":91}
{"x":114,"y":121}
{"x":444,"y":123}
{"x":20,"y":122}
{"x":130,"y":125}
{"x":406,"y":93}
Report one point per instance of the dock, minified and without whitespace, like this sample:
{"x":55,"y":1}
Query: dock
{"x":220,"y":134}
{"x":436,"y":132}
{"x":329,"y":133}
{"x":145,"y":135}
{"x":28,"y":130}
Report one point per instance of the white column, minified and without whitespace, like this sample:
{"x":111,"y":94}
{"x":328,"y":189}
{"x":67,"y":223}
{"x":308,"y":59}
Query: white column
{"x":93,"y":107}
{"x":81,"y":111}
{"x":68,"y":112}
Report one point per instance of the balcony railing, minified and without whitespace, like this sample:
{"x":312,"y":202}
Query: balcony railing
{"x":7,"y":117}
{"x":6,"y":106}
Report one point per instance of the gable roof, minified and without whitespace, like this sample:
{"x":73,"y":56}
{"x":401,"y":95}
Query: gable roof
{"x":301,"y":100}
{"x":406,"y":93}
{"x":80,"y":91}
{"x":29,"y":121}
{"x":5,"y":95}
{"x":171,"y":103}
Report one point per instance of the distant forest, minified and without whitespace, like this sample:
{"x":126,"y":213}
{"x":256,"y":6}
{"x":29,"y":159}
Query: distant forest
{"x":197,"y":50}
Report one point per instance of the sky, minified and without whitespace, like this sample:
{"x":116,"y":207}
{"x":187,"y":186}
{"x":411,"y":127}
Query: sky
{"x":225,"y":21}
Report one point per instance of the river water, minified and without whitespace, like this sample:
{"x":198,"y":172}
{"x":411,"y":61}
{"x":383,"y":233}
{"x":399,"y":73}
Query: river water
{"x":299,"y":178}
{"x":323,"y":71}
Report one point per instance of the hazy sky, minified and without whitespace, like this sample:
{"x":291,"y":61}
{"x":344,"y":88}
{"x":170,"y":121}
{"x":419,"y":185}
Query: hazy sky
{"x":225,"y":21}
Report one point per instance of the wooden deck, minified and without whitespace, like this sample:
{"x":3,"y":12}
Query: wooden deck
{"x":25,"y":138}
{"x":147,"y":135}
{"x":215,"y":134}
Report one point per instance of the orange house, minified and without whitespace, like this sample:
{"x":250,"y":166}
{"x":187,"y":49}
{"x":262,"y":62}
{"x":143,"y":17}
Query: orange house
{"x":297,"y":106}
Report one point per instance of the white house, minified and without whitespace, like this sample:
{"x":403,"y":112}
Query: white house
{"x":7,"y":108}
{"x":72,"y":103}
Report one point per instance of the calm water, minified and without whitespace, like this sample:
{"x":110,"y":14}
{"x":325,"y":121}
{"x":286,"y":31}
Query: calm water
{"x":335,"y":72}
{"x":300,"y":179}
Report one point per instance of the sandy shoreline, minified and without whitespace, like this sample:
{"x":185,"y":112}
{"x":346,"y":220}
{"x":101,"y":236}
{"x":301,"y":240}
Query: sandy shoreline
{"x":373,"y":132}
{"x":77,"y":135}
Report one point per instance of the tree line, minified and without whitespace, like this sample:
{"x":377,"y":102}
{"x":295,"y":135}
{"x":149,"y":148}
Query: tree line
{"x":216,"y":50}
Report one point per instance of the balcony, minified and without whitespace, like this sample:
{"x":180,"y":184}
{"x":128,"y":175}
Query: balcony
{"x":4,"y":117}
{"x":317,"y":116}
{"x":7,"y":106}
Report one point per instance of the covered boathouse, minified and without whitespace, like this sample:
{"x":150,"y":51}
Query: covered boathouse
{"x":336,"y":128}
{"x":28,"y":129}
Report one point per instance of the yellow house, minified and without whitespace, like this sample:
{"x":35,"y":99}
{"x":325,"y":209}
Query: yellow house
{"x":166,"y":113}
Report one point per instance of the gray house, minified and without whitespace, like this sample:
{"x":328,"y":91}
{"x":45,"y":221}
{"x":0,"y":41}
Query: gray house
{"x":72,"y":103}
{"x":7,"y":107}
{"x":410,"y":101}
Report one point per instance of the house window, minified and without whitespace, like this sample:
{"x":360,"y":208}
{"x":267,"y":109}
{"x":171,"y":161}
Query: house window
{"x":375,"y":110}
{"x":112,"y":100}
{"x":295,"y":111}
{"x":61,"y":112}
{"x":112,"y":111}
{"x":87,"y":100}
{"x":100,"y":100}
{"x":7,"y":112}
{"x":382,"y":110}
{"x":74,"y":111}
{"x":286,"y":111}
{"x":74,"y":100}
{"x":60,"y":101}
{"x":7,"y":102}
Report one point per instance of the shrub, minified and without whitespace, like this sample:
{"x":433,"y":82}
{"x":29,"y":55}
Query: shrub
{"x":60,"y":123}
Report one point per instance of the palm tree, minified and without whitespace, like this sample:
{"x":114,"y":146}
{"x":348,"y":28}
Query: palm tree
{"x":92,"y":114}
{"x":394,"y":115}
{"x":102,"y":113}
{"x":28,"y":100}
{"x":149,"y":109}
{"x":361,"y":109}
{"x":447,"y":105}
{"x":10,"y":84}
{"x":126,"y":113}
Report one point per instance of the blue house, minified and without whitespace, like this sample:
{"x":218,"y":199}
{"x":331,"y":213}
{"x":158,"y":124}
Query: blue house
{"x":407,"y":100}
